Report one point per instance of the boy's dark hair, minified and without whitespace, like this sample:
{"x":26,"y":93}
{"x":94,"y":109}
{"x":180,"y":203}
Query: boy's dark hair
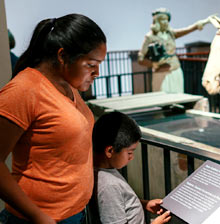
{"x":115,"y":129}
{"x":75,"y":33}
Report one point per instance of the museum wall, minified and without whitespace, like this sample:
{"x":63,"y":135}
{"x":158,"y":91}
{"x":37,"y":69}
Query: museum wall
{"x":5,"y":64}
{"x":124,"y":22}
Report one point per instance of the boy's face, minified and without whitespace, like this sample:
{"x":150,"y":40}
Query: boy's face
{"x":120,"y":159}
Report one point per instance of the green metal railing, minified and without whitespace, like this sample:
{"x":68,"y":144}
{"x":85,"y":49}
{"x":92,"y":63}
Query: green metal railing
{"x":167,"y":148}
{"x":117,"y":79}
{"x":117,"y":76}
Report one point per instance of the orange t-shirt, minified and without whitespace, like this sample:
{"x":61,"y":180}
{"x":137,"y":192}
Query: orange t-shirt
{"x":52,"y":162}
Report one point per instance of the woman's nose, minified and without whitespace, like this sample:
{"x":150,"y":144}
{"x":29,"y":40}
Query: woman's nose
{"x":95,"y":73}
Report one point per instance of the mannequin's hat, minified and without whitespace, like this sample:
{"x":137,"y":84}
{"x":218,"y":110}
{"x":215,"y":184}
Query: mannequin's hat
{"x":162,"y":11}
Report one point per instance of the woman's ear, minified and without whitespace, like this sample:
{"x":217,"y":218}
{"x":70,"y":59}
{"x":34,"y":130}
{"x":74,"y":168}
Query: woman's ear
{"x":60,"y":56}
{"x":109,"y":151}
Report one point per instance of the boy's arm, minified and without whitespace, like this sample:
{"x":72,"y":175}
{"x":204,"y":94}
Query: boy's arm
{"x":152,"y":206}
{"x":111,"y":205}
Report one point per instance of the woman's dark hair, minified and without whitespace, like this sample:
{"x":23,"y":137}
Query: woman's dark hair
{"x":115,"y":129}
{"x":75,"y":33}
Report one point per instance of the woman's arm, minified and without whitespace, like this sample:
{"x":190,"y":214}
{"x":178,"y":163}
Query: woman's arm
{"x":10,"y":191}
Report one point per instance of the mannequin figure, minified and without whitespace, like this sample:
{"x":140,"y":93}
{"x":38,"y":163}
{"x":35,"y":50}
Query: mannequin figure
{"x":159,"y":49}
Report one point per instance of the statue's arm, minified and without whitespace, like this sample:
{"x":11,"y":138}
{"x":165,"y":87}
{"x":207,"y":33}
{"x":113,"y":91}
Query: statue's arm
{"x":196,"y":26}
{"x":143,"y":51}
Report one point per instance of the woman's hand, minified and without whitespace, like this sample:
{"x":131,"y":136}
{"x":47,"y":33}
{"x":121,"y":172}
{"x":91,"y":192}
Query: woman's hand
{"x":43,"y":219}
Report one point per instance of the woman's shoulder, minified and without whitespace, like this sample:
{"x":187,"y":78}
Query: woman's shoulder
{"x":28,"y":75}
{"x":25,"y":84}
{"x":29,"y":79}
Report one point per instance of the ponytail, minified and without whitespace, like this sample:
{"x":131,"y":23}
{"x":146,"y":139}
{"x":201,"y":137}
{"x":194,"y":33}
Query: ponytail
{"x":35,"y":51}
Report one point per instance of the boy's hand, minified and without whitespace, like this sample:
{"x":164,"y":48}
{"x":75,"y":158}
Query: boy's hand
{"x":153,"y":206}
{"x":164,"y":218}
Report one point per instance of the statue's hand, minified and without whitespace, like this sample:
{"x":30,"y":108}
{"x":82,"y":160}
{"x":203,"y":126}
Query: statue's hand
{"x":215,"y":21}
{"x":201,"y":23}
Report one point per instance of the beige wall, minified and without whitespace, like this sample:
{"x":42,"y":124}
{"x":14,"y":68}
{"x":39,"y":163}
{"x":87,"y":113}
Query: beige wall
{"x":5,"y":66}
{"x":5,"y":63}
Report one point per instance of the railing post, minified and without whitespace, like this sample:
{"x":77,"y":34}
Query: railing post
{"x":132,"y":82}
{"x":145,"y":81}
{"x":119,"y":85}
{"x":150,"y":77}
{"x":167,"y":170}
{"x":108,"y":87}
{"x":190,"y":164}
{"x":145,"y":171}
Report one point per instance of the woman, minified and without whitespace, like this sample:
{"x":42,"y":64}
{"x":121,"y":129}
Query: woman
{"x":47,"y":126}
{"x":167,"y":73}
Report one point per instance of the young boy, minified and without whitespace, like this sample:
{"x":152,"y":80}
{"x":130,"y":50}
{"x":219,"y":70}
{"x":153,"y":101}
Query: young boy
{"x":115,"y":137}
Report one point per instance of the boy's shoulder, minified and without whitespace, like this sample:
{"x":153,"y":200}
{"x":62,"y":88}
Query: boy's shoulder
{"x":110,"y":182}
{"x":102,"y":172}
{"x":108,"y":177}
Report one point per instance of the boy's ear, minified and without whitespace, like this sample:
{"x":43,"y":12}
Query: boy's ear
{"x":109,"y":151}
